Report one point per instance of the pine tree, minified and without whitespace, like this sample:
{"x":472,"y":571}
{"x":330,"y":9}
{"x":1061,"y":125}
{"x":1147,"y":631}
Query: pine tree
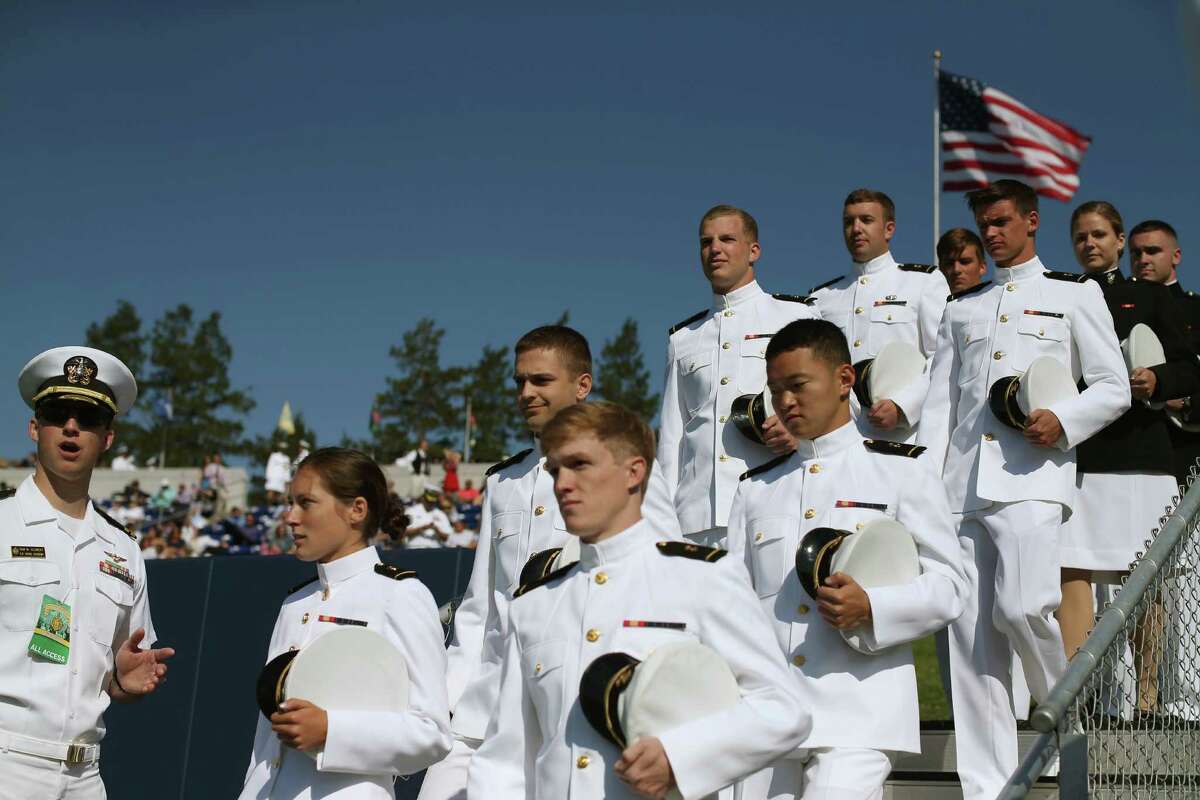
{"x":622,"y":376}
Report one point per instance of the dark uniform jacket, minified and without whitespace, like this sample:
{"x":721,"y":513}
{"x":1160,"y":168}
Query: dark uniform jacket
{"x":1186,"y":443}
{"x":1139,"y":439}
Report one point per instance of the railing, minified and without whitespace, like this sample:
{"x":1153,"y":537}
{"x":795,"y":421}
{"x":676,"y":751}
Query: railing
{"x":1124,"y":721}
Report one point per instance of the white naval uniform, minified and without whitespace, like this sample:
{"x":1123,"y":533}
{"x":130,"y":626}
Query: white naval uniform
{"x":277,"y":473}
{"x":44,"y":706}
{"x":540,"y":747}
{"x":857,"y":701}
{"x":712,"y":359}
{"x":363,"y":750}
{"x":1013,"y":496}
{"x":520,"y":517}
{"x":420,"y":515}
{"x":881,"y":302}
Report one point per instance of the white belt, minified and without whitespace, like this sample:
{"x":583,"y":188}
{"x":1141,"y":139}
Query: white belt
{"x":72,"y":754}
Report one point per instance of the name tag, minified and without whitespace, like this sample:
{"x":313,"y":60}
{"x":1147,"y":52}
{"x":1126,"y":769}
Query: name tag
{"x":28,"y":551}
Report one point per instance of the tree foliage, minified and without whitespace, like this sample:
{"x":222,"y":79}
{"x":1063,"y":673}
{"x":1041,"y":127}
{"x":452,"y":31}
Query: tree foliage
{"x":622,"y":376}
{"x":418,"y":400}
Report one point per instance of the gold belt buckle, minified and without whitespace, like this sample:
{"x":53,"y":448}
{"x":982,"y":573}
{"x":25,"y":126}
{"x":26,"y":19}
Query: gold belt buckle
{"x":75,"y":754}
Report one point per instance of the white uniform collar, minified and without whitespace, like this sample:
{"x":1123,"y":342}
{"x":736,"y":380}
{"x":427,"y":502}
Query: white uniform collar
{"x":738,"y":296}
{"x":1021,"y":272}
{"x":877,"y":264}
{"x":347,"y":566}
{"x":637,"y":536}
{"x":835,"y":441}
{"x":35,"y":508}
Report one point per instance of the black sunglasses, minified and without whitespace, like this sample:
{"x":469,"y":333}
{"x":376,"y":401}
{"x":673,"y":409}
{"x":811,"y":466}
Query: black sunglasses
{"x":87,"y":416}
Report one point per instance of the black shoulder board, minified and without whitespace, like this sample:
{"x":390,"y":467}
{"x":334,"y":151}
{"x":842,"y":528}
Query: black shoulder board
{"x":977,"y":288}
{"x":301,"y":585}
{"x":826,"y":283}
{"x":1073,"y":277}
{"x":761,"y":468}
{"x":113,"y":522}
{"x":699,"y":315}
{"x":508,"y":462}
{"x":394,"y":572}
{"x":926,"y":268}
{"x":688,"y":550}
{"x":893,"y":448}
{"x":7,"y":493}
{"x":538,"y":565}
{"x":549,"y":576}
{"x":808,"y":300}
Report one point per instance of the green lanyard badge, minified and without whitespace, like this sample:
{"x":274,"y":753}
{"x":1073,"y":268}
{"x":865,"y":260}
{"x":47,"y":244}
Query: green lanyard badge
{"x":52,"y":635}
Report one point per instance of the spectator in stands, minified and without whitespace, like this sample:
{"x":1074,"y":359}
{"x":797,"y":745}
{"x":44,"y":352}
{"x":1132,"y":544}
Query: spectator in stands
{"x":277,"y":474}
{"x":164,"y":498}
{"x":123,"y":461}
{"x":214,"y":481}
{"x":469,"y":494}
{"x":417,"y":460}
{"x":450,"y":461}
{"x":428,"y":524}
{"x":461,"y":535}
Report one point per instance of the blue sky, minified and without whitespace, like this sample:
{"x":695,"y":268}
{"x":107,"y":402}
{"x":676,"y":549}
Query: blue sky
{"x":323,"y":174}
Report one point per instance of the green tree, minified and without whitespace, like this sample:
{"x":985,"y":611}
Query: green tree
{"x":622,"y":376}
{"x":121,"y":334}
{"x":421,"y":399}
{"x":497,"y":421}
{"x":189,"y":369}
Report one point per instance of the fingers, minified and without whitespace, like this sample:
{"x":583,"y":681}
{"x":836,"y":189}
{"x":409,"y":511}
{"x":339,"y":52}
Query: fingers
{"x":135,"y":639}
{"x":163,"y":653}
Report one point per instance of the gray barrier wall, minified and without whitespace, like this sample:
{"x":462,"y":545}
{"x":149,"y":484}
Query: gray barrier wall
{"x":191,"y":740}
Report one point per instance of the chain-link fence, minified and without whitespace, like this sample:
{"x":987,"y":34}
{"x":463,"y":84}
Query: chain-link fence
{"x":1125,"y":720}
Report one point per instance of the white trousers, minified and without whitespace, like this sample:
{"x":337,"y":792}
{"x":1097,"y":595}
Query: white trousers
{"x":447,"y":779}
{"x":1010,"y":557}
{"x":824,"y":773}
{"x":24,"y":777}
{"x":710,"y":537}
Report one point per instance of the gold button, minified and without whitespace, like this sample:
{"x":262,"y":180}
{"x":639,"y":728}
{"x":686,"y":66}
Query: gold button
{"x":989,"y":437}
{"x":758,"y":536}
{"x":304,"y":619}
{"x":729,"y":313}
{"x":724,"y":381}
{"x":889,"y":317}
{"x":601,"y":578}
{"x":722,"y":457}
{"x":582,"y":762}
{"x":858,"y":310}
{"x":275,"y":762}
{"x":293,"y":649}
{"x":863,"y":280}
{"x":593,"y":635}
{"x":726,"y":346}
{"x":803,"y":609}
{"x":1010,"y":287}
{"x":858,"y":527}
{"x":814,"y":469}
{"x":324,"y":594}
{"x":809,"y":514}
{"x":1041,"y":331}
{"x":799,"y":661}
{"x":1004,"y":317}
{"x":722,"y":419}
{"x":537,"y":512}
{"x":537,"y":668}
{"x":858,"y":342}
{"x":999,"y":354}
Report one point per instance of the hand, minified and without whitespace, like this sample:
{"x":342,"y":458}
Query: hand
{"x":139,"y":671}
{"x":777,"y":437}
{"x":300,"y":724}
{"x":1178,"y":404}
{"x":842,"y":602}
{"x":1042,"y":428}
{"x":645,"y":767}
{"x":885,"y":415}
{"x":1142,"y":383}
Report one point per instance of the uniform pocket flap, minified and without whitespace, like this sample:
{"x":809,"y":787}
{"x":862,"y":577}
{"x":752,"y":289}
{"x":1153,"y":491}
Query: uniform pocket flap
{"x":29,"y":572}
{"x":543,"y":658}
{"x":1042,"y":327}
{"x":690,"y":362}
{"x":114,"y":589}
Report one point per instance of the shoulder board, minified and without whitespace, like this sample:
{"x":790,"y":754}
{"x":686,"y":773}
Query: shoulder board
{"x":926,"y":268}
{"x":1072,"y":277}
{"x":549,"y":576}
{"x":1189,"y":294}
{"x":538,"y":565}
{"x":761,"y":468}
{"x":113,"y":522}
{"x":688,"y":550}
{"x":825,"y":284}
{"x":699,"y":315}
{"x":893,"y":448}
{"x":394,"y":572}
{"x":807,"y":299}
{"x":508,"y":462}
{"x":7,"y":493}
{"x":965,"y":292}
{"x":301,"y":585}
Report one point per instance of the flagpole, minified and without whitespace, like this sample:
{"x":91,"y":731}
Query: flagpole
{"x":937,"y":152}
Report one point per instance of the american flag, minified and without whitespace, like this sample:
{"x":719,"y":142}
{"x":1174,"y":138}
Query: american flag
{"x":987,"y":135}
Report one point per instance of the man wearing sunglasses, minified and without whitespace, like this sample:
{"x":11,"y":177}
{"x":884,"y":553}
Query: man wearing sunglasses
{"x":75,"y":627}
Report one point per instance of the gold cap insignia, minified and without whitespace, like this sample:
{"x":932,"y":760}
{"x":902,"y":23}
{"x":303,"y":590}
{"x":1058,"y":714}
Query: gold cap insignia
{"x":80,"y":370}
